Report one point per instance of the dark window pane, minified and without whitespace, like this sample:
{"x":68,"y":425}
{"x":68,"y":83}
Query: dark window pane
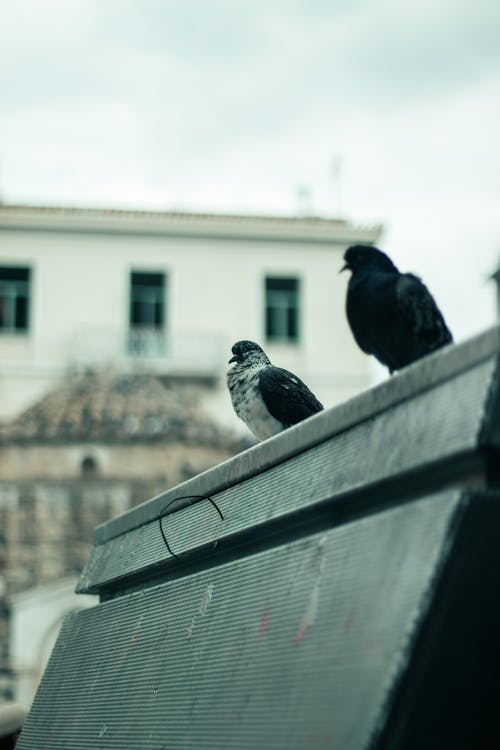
{"x":148,"y":279}
{"x":282,"y":309}
{"x":22,"y":313}
{"x":147,"y":300}
{"x":134,"y":313}
{"x":292,"y":323}
{"x":269,"y":325}
{"x":10,"y":273}
{"x":158,"y":314}
{"x":281,"y":285}
{"x":14,"y":298}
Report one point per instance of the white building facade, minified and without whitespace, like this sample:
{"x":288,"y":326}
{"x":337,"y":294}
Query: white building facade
{"x":170,"y":293}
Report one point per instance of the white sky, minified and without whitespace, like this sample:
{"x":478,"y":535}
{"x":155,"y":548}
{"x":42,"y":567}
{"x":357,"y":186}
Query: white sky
{"x":230,"y":105}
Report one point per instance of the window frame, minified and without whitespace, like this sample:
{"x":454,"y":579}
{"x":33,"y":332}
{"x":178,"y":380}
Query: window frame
{"x":282,"y":309}
{"x":16,"y":294}
{"x":160,"y":300}
{"x":148,"y":339}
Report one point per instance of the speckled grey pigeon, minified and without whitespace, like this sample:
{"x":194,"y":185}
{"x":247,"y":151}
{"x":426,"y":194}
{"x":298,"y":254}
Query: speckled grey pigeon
{"x":267,"y":398}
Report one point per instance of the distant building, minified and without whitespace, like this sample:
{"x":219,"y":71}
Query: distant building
{"x":115,"y":334}
{"x":97,"y":445}
{"x":88,"y":451}
{"x":168,"y":293}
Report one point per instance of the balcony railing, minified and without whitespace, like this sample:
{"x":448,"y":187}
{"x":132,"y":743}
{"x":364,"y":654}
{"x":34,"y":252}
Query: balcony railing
{"x":186,"y":352}
{"x":147,"y":342}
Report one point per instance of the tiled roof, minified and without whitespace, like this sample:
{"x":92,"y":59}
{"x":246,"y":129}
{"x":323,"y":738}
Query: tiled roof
{"x":114,"y":407}
{"x":317,"y":228}
{"x":156,"y":214}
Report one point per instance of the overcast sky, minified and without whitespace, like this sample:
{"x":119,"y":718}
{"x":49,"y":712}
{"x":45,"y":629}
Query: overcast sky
{"x":387,"y":111}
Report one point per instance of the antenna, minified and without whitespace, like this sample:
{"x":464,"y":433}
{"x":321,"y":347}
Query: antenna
{"x":304,"y":196}
{"x":336,"y":175}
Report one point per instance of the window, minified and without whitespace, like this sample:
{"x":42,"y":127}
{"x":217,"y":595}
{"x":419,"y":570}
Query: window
{"x":147,"y":314}
{"x":14,"y":298}
{"x":147,"y":300}
{"x":89,"y":468}
{"x":282,"y":309}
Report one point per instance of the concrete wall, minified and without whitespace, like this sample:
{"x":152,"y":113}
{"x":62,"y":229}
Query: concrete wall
{"x":168,"y":462}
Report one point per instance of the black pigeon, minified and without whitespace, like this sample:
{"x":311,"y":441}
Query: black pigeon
{"x":267,"y":398}
{"x":392,"y":315}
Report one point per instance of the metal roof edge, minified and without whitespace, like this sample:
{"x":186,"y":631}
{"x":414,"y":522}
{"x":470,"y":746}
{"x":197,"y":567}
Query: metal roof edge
{"x":419,"y":377}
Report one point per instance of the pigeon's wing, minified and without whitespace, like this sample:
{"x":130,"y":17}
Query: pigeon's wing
{"x":419,"y":308}
{"x":286,"y":397}
{"x":371,"y":314}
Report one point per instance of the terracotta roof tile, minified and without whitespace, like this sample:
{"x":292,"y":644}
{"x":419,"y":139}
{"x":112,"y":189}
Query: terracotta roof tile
{"x":115,"y":407}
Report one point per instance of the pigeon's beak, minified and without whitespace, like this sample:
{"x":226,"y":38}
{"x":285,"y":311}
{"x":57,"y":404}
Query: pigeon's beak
{"x":233,"y":359}
{"x":345,"y":267}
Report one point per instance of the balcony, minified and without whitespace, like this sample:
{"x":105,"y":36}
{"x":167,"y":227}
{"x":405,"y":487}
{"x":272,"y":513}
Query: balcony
{"x":195,"y":353}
